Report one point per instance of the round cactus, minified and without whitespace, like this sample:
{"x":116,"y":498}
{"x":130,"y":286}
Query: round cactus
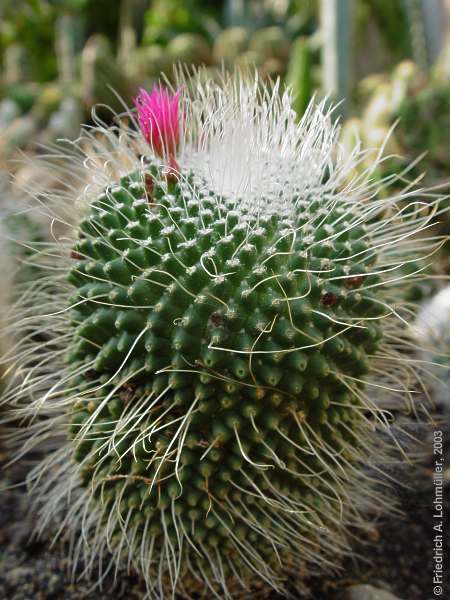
{"x":249,"y":60}
{"x":229,"y":44}
{"x":189,"y":48}
{"x":146,"y":63}
{"x":23,"y":94}
{"x":217,"y":322}
{"x":270,"y":42}
{"x":49,"y":99}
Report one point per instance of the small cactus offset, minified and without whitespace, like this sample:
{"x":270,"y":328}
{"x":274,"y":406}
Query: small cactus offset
{"x":220,"y":330}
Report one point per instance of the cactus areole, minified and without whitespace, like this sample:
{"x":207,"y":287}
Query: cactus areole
{"x":231,"y":308}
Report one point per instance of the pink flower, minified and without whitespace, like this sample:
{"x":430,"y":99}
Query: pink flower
{"x":160,"y":119}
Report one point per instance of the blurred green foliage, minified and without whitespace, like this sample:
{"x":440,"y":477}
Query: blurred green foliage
{"x":68,"y":5}
{"x":81,"y":47}
{"x":167,"y":18}
{"x":31,"y":24}
{"x":102,"y":16}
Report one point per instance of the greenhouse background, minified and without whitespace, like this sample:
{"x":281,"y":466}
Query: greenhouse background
{"x":380,"y":71}
{"x":60,"y":58}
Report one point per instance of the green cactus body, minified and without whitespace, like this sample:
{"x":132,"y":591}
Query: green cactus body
{"x":254,"y":358}
{"x":299,"y":75}
{"x":24,"y":94}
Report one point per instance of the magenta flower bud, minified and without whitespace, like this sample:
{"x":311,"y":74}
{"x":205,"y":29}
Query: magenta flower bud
{"x":160,"y":119}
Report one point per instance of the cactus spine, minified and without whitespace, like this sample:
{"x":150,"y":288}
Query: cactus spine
{"x":214,"y":347}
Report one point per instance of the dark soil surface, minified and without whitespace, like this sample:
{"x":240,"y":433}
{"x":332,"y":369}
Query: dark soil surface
{"x":397,"y":557}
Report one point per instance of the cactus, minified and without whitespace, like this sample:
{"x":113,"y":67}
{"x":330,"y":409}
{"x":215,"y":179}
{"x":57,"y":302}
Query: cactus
{"x":68,"y":30}
{"x":414,"y":108}
{"x":425,"y":126}
{"x":100,"y":74}
{"x":219,"y":328}
{"x":229,"y":44}
{"x":16,"y":65}
{"x":299,"y":75}
{"x":189,"y":48}
{"x":249,"y":60}
{"x":336,"y":18}
{"x":24,"y":94}
{"x":270,"y":42}
{"x":146,"y":63}
{"x":49,"y":100}
{"x":420,"y":105}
